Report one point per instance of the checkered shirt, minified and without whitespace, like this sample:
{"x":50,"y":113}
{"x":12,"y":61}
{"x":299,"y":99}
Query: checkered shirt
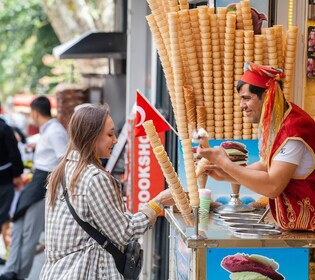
{"x":70,"y":252}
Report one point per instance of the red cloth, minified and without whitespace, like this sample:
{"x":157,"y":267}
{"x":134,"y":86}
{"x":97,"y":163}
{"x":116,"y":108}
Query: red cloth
{"x":145,"y":112}
{"x":295,"y":207}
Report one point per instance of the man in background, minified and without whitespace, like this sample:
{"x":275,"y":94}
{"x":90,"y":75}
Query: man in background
{"x":30,"y":210}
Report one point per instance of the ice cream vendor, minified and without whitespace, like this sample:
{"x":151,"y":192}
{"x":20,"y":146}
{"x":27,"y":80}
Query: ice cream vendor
{"x":285,"y":172}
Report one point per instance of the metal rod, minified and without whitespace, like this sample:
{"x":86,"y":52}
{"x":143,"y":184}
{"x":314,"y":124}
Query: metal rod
{"x":196,"y":218}
{"x":264,"y":215}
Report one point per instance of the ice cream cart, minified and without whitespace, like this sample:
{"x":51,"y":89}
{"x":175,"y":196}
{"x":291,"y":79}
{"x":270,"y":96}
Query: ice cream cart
{"x":219,"y":253}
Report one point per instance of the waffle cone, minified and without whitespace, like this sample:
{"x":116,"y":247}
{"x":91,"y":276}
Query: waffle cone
{"x":201,"y":117}
{"x":190,"y":103}
{"x":201,"y":166}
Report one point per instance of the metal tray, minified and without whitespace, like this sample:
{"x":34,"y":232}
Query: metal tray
{"x":256,"y":233}
{"x":241,"y":221}
{"x":240,"y":215}
{"x":234,"y":227}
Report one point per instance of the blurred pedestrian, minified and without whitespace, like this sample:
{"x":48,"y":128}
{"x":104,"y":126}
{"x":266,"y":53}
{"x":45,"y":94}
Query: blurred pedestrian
{"x":11,"y":168}
{"x":29,"y":214}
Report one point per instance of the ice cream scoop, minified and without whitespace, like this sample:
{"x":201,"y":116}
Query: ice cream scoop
{"x":250,"y":264}
{"x":236,"y":151}
{"x":246,"y":275}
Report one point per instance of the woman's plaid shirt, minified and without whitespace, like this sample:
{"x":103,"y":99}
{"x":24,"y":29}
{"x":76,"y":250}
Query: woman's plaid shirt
{"x":70,"y":252}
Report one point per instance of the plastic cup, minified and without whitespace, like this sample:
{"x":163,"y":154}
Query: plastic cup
{"x":204,"y":193}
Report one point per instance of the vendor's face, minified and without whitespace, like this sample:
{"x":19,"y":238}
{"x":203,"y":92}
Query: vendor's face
{"x":251,"y":104}
{"x":106,"y":140}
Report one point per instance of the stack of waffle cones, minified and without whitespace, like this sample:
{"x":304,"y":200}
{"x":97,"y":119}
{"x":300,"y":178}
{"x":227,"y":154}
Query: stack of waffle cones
{"x":228,"y":70}
{"x":174,"y":184}
{"x":170,"y":175}
{"x":196,"y":50}
{"x":202,"y":55}
{"x":289,"y":59}
{"x":238,"y":72}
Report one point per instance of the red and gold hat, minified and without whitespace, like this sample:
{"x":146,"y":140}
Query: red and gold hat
{"x":271,"y":117}
{"x":261,"y":75}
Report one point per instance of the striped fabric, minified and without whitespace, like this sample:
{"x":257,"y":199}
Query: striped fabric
{"x":70,"y":252}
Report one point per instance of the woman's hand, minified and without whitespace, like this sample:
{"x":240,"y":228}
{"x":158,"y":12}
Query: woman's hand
{"x":165,"y":198}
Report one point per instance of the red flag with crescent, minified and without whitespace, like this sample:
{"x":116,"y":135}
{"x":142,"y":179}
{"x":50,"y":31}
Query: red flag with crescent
{"x":145,"y":112}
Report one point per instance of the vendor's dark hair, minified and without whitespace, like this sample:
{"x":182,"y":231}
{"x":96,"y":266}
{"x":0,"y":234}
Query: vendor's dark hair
{"x":41,"y":105}
{"x":253,"y":89}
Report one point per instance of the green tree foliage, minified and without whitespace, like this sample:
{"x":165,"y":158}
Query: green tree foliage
{"x":25,"y":37}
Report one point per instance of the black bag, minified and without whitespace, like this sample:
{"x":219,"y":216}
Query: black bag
{"x":134,"y":261}
{"x":129,"y":264}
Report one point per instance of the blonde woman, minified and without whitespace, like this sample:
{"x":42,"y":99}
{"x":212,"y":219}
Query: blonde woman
{"x":97,"y":199}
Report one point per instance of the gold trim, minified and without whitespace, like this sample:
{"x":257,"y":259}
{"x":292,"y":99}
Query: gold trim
{"x":284,"y":117}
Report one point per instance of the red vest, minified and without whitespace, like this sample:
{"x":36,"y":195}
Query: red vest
{"x":295,"y":207}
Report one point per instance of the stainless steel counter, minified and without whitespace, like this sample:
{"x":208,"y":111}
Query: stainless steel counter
{"x":219,"y":235}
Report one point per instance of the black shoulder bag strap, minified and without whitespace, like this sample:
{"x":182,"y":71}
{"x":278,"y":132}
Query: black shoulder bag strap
{"x":101,"y":239}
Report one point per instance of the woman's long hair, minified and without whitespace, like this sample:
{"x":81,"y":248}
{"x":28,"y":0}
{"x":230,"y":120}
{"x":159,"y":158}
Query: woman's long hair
{"x":85,"y":126}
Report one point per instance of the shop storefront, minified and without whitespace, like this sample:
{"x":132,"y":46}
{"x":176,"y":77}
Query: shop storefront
{"x":200,"y":255}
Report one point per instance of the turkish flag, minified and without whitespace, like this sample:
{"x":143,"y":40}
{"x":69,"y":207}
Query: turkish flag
{"x":145,"y":112}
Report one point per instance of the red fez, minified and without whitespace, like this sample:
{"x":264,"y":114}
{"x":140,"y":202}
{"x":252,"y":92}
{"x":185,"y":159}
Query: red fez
{"x":260,"y":75}
{"x":255,"y":79}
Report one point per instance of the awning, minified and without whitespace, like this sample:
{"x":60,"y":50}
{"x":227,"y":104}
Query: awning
{"x":94,"y":45}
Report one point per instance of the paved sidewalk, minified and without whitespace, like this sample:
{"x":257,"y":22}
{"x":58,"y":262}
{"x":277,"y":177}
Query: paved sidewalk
{"x":37,"y":264}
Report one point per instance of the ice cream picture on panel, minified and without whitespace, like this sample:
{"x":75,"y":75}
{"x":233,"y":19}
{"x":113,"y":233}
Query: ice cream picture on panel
{"x":251,"y":267}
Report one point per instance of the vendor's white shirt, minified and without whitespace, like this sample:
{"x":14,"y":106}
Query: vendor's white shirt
{"x":51,"y":146}
{"x":296,"y":152}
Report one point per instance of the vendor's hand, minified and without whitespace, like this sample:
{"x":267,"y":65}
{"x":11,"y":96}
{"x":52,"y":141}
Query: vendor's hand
{"x":218,"y":174}
{"x":216,"y":156}
{"x":18,"y":183}
{"x":215,"y":172}
{"x":165,"y":198}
